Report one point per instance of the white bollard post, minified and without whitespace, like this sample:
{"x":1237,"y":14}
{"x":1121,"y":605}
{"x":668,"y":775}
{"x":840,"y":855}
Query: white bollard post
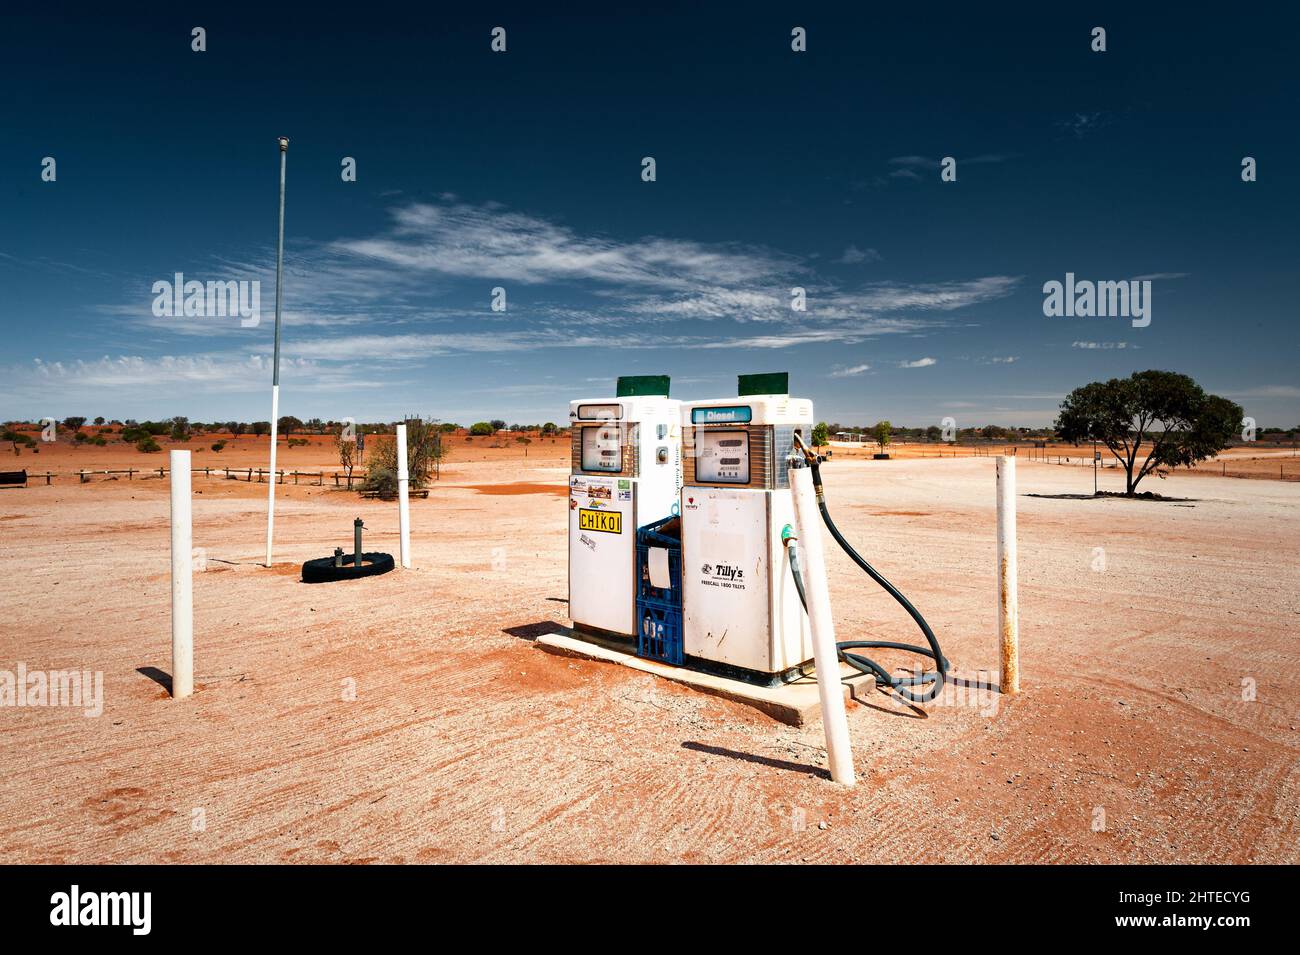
{"x":1008,"y":599}
{"x":403,"y":499}
{"x":182,"y":578}
{"x":830,"y":690}
{"x":270,"y":492}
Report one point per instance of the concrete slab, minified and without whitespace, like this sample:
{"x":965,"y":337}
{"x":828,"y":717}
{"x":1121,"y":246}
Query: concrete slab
{"x":795,"y":703}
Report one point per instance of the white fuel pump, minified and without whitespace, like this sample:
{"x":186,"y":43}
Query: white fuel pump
{"x":742,"y":614}
{"x":626,"y":472}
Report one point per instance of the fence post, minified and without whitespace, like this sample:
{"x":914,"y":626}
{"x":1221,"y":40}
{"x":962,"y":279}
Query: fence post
{"x":1008,"y":599}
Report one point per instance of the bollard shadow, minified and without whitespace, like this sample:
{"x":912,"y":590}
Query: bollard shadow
{"x":782,"y":764}
{"x":973,"y":684}
{"x":531,"y":631}
{"x":1065,"y":497}
{"x":164,"y":680}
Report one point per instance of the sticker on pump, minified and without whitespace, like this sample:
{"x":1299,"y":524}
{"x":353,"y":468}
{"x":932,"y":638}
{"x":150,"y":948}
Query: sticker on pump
{"x":607,"y":522}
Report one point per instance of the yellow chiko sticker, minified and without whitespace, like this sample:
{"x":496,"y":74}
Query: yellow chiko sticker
{"x":608,"y":522}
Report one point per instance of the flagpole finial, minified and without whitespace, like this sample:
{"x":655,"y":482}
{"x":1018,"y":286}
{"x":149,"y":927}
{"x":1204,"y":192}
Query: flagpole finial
{"x":284,"y":143}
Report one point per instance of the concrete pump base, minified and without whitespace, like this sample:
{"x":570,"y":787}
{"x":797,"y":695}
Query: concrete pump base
{"x":795,"y":704}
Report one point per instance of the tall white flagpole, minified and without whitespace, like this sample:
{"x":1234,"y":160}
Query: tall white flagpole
{"x":275,"y":377}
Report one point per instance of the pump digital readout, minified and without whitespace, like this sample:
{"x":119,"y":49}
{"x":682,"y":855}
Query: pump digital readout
{"x":722,"y":457}
{"x":601,"y":450}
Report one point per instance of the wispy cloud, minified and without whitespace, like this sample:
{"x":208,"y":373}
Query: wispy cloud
{"x":1102,"y":345}
{"x":171,"y":375}
{"x":921,"y":167}
{"x":1080,"y":125}
{"x":850,"y":372}
{"x":853,"y":256}
{"x":491,"y":242}
{"x":918,"y":363}
{"x":1267,"y":391}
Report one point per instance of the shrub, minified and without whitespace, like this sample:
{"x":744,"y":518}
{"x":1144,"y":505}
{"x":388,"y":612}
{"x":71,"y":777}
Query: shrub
{"x":218,"y":445}
{"x":482,"y":428}
{"x":147,"y":445}
{"x":424,"y":452}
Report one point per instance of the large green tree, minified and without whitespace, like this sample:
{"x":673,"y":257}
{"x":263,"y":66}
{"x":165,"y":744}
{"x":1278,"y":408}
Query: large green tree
{"x":1167,"y":414}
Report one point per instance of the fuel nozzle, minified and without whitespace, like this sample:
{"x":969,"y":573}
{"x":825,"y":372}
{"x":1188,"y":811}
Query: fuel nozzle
{"x":809,"y":455}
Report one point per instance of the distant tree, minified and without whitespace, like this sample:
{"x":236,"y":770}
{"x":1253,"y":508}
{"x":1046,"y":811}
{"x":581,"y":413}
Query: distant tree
{"x":180,"y":428}
{"x":881,"y":433}
{"x":497,"y":424}
{"x":236,"y":428}
{"x":1164,"y":411}
{"x":525,"y":441}
{"x":74,"y":423}
{"x":99,"y":420}
{"x":933,"y":433}
{"x":287,"y":425}
{"x":993,"y":432}
{"x":550,"y":429}
{"x":483,"y":428}
{"x":261,"y":427}
{"x":820,"y":435}
{"x":347,"y":449}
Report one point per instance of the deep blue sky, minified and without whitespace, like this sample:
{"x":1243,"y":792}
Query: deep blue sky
{"x":522,"y":170}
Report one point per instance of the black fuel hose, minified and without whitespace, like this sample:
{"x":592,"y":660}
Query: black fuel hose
{"x":931,"y":680}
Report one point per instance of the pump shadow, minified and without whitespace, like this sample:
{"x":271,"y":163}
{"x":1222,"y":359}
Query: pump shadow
{"x":783,"y":764}
{"x":531,"y":631}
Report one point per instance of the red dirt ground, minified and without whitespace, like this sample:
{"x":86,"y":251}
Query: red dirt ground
{"x":411,"y":718}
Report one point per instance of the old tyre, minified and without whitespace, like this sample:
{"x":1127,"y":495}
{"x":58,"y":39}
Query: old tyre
{"x":322,"y":569}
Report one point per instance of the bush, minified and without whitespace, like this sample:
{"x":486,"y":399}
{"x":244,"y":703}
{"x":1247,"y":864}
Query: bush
{"x":99,"y":441}
{"x":147,"y":445}
{"x":218,"y":445}
{"x":482,"y":428}
{"x":424,"y":451}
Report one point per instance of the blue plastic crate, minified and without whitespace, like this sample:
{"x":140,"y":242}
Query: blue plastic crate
{"x":660,"y":534}
{"x":659,"y":631}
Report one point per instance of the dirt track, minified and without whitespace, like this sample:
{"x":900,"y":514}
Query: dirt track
{"x":466,"y":742}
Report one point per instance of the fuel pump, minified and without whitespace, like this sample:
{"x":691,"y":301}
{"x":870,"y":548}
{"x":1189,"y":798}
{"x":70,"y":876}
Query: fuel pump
{"x":742,"y":614}
{"x":626,"y":472}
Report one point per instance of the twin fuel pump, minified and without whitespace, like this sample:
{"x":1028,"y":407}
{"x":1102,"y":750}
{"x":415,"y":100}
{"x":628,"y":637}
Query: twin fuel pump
{"x":681,"y":534}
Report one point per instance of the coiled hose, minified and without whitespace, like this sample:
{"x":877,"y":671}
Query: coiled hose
{"x":931,"y":680}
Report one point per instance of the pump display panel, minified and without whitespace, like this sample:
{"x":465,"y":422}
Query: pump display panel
{"x":722,"y":457}
{"x":602,"y":449}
